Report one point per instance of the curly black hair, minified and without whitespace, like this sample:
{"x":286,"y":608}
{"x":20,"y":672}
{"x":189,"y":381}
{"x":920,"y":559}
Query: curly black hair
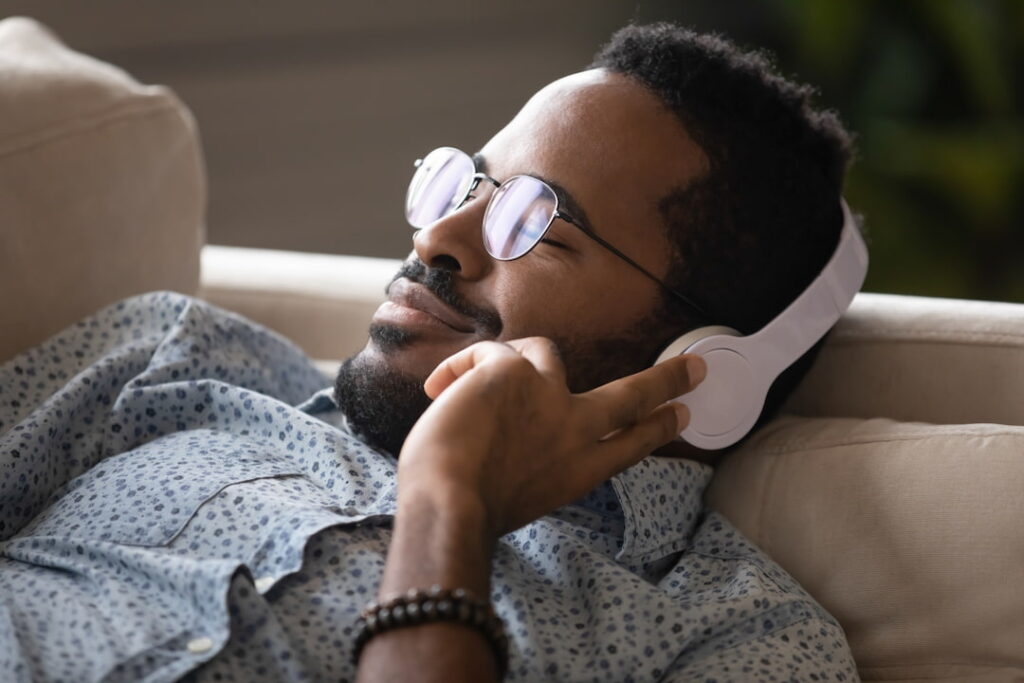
{"x":757,"y":228}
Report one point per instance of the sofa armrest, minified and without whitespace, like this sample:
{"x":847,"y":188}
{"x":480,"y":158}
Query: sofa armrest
{"x":322,"y":302}
{"x":102,"y":188}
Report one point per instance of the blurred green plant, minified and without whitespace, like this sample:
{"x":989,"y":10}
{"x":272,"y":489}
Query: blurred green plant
{"x":933,"y":90}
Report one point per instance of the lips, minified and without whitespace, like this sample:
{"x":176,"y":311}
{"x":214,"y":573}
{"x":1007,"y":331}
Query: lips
{"x":416,"y":296}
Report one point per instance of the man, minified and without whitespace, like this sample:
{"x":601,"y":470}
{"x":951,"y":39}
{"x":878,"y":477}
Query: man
{"x":693,"y":159}
{"x":167,"y":512}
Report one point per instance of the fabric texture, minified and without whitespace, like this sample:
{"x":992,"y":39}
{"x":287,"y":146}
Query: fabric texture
{"x":101,"y":187}
{"x":907,"y":532}
{"x":170,"y":508}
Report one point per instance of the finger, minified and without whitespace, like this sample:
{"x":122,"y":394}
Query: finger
{"x":457,"y":365}
{"x":543,"y":354}
{"x":627,"y":401}
{"x":628,"y":446}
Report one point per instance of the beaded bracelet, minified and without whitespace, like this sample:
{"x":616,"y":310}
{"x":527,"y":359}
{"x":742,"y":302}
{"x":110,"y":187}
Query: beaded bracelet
{"x":420,"y":606}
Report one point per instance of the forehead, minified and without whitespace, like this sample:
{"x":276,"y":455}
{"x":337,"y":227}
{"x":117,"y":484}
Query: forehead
{"x":609,"y":141}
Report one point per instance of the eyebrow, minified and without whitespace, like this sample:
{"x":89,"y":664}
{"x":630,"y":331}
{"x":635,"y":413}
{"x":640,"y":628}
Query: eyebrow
{"x":565,"y":198}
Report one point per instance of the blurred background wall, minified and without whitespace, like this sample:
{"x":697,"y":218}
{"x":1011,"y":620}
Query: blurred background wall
{"x":312,"y":111}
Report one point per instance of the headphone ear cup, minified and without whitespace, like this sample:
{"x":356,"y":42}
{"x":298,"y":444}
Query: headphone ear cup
{"x":726,"y":404}
{"x":680,"y":344}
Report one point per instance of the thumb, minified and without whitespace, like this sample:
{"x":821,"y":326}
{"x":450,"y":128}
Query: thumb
{"x":457,"y":365}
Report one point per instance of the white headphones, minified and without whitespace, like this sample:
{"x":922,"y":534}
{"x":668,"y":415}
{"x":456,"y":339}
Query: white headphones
{"x":725,"y":406}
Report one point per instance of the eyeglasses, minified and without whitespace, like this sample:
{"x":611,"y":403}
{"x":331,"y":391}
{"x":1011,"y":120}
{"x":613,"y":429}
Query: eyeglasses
{"x":518,"y":214}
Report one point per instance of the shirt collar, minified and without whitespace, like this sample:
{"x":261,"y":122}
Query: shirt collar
{"x":661,"y":501}
{"x":323,"y":406}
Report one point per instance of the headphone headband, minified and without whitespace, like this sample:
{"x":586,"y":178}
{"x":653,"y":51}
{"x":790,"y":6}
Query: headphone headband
{"x":811,"y":315}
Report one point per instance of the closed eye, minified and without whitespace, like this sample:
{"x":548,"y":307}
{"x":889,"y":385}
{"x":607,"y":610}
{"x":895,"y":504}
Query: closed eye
{"x":553,"y":243}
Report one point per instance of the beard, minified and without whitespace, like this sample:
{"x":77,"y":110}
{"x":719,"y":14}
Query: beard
{"x":382,"y":403}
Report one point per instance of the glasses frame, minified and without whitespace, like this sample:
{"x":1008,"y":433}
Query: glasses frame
{"x":557,"y":213}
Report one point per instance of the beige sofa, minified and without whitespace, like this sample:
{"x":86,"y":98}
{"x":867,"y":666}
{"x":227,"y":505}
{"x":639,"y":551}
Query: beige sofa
{"x":892,"y":488}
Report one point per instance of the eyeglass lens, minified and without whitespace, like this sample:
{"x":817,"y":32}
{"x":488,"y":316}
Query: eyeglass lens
{"x":440,"y":182}
{"x":517,"y":215}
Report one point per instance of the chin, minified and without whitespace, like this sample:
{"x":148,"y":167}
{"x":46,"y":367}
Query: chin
{"x":381,"y":402}
{"x":409,"y":353}
{"x":380,"y":390}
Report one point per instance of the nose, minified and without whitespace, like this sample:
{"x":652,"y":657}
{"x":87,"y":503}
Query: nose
{"x":455,"y":242}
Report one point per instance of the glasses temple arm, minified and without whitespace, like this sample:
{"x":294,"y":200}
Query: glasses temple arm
{"x":597,"y":238}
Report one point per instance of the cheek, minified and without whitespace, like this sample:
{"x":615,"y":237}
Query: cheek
{"x":573,"y":303}
{"x":531,"y":309}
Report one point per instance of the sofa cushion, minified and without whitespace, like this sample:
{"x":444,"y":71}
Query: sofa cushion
{"x":322,"y":302}
{"x":102,"y":191}
{"x":919,"y":359}
{"x":909,"y":533}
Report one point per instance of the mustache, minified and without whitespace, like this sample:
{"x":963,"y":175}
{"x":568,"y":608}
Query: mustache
{"x":441,"y":283}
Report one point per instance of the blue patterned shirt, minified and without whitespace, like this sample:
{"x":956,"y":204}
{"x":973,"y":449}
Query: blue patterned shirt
{"x":173,"y":504}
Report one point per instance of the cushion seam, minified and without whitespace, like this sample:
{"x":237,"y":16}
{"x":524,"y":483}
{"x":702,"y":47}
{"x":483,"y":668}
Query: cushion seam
{"x":260,"y":294}
{"x":766,"y":482}
{"x":998,"y":339}
{"x":96,"y":120}
{"x":912,"y":675}
{"x":879,"y":439}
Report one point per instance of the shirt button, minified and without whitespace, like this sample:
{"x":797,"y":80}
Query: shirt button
{"x":199,"y":645}
{"x":264,"y":583}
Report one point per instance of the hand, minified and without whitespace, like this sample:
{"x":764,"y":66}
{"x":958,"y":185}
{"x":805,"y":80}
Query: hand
{"x":505,"y":435}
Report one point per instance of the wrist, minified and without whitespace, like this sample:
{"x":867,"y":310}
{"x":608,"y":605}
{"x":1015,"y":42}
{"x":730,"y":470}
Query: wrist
{"x":441,"y":537}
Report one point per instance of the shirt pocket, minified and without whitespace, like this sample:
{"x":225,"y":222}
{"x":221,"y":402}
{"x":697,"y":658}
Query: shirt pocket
{"x":146,"y":496}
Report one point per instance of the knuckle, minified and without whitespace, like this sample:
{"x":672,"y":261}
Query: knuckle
{"x":695,"y":372}
{"x":632,"y":406}
{"x":478,"y":349}
{"x":550,"y":345}
{"x":504,"y":374}
{"x":535,"y":339}
{"x":543,"y":344}
{"x":679,"y":379}
{"x":515,"y":367}
{"x":492,"y":345}
{"x":669,"y":424}
{"x":664,"y":430}
{"x":510,"y":364}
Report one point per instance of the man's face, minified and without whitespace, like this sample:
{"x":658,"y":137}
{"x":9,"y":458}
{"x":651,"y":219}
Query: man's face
{"x":614,"y":151}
